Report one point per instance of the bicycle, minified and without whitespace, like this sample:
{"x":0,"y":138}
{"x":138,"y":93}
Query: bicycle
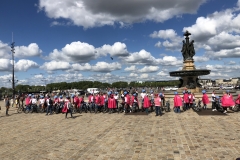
{"x":197,"y":107}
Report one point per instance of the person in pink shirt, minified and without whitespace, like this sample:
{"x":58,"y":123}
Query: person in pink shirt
{"x":227,"y":102}
{"x":157,"y":102}
{"x":146,"y":103}
{"x":238,"y":100}
{"x":205,"y":99}
{"x":28,"y":102}
{"x":177,"y":102}
{"x":186,"y":99}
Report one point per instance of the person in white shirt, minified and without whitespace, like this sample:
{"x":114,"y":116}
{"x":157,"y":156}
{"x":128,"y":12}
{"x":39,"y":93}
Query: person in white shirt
{"x":213,"y":101}
{"x":41,"y":102}
{"x":116,"y":98}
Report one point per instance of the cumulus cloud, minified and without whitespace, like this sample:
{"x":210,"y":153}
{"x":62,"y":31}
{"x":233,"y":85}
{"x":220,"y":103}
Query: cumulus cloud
{"x":142,"y":57}
{"x":91,"y":13}
{"x":148,"y":69}
{"x":75,"y":52}
{"x":133,"y":75}
{"x":28,"y":51}
{"x":106,"y":67}
{"x":56,"y":65}
{"x":98,"y":67}
{"x":143,"y":76}
{"x":81,"y":67}
{"x":5,"y":65}
{"x":21,"y":65}
{"x":4,"y":50}
{"x":172,"y":40}
{"x":162,"y":73}
{"x":131,"y":68}
{"x":24,"y":65}
{"x":201,"y":59}
{"x":117,"y":49}
{"x":158,"y":44}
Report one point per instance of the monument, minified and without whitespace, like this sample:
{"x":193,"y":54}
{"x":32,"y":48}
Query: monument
{"x":189,"y":74}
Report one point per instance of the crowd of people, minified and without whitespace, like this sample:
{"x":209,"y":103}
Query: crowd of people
{"x":112,"y":100}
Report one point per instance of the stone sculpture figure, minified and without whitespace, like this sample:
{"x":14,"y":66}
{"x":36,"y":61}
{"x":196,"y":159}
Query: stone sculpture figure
{"x":188,"y":50}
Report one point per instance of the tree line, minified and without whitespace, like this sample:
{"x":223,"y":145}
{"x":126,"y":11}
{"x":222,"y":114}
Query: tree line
{"x":83,"y":85}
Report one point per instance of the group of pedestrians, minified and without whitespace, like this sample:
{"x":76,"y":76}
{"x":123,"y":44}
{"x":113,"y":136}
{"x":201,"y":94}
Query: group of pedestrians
{"x":188,"y":100}
{"x":127,"y":100}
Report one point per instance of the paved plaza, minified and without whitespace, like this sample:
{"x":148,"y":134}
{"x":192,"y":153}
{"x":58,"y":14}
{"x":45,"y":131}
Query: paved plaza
{"x":118,"y":136}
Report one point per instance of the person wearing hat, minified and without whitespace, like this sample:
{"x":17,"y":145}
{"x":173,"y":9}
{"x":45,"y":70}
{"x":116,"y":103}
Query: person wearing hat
{"x":127,"y":101}
{"x":157,"y":102}
{"x":205,"y":99}
{"x":41,"y":102}
{"x":177,"y":101}
{"x":67,"y":107}
{"x":162,"y":96}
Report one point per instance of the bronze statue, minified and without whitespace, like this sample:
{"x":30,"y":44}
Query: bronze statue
{"x":188,"y":50}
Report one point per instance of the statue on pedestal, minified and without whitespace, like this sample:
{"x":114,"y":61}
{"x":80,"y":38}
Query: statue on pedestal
{"x":188,"y":50}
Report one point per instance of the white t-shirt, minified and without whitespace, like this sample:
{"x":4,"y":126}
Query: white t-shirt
{"x":143,"y":95}
{"x":34,"y":101}
{"x":115,"y":96}
{"x":41,"y":101}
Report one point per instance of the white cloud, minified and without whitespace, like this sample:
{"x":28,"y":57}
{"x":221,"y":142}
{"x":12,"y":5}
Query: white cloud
{"x":5,"y":65}
{"x":24,"y":65}
{"x":21,"y":65}
{"x":4,"y":50}
{"x":200,"y":59}
{"x":75,"y":52}
{"x":56,"y":65}
{"x":133,"y":75}
{"x":117,"y":49}
{"x":142,"y":57}
{"x":81,"y":67}
{"x":148,"y":69}
{"x":106,"y":67}
{"x":172,"y":41}
{"x":28,"y":51}
{"x":143,"y":76}
{"x":131,"y":68}
{"x":158,"y":44}
{"x":162,"y":73}
{"x":164,"y":34}
{"x":91,"y":13}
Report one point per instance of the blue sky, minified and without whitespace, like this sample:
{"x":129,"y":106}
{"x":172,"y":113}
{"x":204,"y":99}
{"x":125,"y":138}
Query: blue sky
{"x":74,"y":40}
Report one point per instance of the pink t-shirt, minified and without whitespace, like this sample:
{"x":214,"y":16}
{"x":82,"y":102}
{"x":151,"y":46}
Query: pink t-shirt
{"x":157,"y":101}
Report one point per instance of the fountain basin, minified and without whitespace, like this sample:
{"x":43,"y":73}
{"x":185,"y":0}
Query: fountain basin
{"x":190,"y":73}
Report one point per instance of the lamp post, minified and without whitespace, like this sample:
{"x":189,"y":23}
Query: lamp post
{"x":13,"y":76}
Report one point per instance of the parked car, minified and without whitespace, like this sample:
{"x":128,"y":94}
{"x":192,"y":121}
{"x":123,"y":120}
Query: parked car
{"x":237,"y":87}
{"x":174,"y":88}
{"x":228,"y":87}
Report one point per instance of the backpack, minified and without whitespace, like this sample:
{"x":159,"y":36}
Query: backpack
{"x":50,"y":101}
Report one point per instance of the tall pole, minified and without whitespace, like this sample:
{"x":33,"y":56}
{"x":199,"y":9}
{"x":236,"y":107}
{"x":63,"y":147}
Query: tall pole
{"x":13,"y":80}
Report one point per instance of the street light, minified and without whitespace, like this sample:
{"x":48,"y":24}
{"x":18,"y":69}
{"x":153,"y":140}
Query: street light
{"x":13,"y":80}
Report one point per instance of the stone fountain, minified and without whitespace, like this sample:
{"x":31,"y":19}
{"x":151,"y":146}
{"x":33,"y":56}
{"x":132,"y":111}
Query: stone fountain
{"x":189,"y":74}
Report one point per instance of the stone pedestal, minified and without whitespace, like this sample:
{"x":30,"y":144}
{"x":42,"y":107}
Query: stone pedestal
{"x":188,"y":65}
